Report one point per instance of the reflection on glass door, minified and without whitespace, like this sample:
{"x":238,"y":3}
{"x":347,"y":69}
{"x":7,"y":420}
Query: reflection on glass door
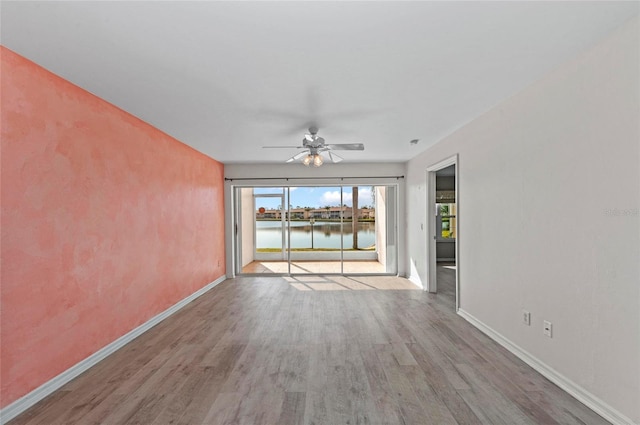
{"x":317,"y":230}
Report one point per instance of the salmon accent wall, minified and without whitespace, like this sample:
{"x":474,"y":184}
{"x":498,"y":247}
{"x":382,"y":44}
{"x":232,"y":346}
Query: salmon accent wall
{"x":106,"y":222}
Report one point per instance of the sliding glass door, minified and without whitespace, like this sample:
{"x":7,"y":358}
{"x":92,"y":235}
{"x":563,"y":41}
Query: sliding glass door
{"x":316,"y":230}
{"x":370,"y":233}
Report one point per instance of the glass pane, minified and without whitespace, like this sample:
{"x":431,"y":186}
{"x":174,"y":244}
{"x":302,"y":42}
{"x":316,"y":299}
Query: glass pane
{"x":268,"y":236}
{"x":270,"y":255}
{"x":314,"y":230}
{"x":268,"y":208}
{"x":361,"y":231}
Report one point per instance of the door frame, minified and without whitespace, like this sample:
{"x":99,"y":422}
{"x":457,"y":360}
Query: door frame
{"x":432,"y":281}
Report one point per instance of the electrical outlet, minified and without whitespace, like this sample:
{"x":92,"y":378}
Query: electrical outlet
{"x":546,"y":328}
{"x":526,"y":317}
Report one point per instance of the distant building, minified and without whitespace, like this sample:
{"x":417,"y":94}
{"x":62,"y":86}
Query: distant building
{"x":332,"y":213}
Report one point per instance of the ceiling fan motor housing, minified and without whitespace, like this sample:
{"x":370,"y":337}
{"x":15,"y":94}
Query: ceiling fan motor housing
{"x":316,"y":142}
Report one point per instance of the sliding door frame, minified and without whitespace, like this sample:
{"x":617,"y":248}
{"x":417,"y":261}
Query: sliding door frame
{"x":286,"y":184}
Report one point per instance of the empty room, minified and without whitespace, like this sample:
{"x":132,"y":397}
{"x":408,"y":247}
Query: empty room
{"x":239,"y":212}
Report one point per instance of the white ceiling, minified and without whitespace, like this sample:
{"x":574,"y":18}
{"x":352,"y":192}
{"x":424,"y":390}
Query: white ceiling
{"x":229,"y":77}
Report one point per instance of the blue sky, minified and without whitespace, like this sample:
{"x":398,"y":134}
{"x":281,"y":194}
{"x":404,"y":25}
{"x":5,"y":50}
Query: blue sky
{"x":315,"y":197}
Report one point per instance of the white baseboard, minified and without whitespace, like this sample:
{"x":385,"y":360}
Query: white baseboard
{"x":17,"y":407}
{"x":591,"y":401}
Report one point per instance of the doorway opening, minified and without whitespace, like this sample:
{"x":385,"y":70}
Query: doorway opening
{"x":443,"y":237}
{"x":292,"y":230}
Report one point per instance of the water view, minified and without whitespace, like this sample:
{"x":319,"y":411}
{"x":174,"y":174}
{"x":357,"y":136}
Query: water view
{"x":323,"y":235}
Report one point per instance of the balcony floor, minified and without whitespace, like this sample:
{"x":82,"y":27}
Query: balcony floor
{"x":314,"y":267}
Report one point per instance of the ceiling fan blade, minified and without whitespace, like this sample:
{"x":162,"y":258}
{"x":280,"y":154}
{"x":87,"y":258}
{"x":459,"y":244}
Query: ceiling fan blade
{"x":283,"y":147}
{"x":347,"y":147}
{"x":297,"y":156}
{"x":334,"y":157}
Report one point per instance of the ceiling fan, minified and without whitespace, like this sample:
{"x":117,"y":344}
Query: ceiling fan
{"x":314,"y":146}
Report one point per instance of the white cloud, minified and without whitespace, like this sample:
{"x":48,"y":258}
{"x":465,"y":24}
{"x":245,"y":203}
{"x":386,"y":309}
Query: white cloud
{"x":365,"y":196}
{"x":333,"y":197}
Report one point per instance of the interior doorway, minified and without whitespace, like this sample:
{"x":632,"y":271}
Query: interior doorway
{"x":289,"y":230}
{"x":443,"y":235}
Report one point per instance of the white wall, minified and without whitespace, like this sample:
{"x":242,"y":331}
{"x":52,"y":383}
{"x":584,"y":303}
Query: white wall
{"x":381,"y":224}
{"x":329,"y":174}
{"x":549,"y":187}
{"x":247,"y":223}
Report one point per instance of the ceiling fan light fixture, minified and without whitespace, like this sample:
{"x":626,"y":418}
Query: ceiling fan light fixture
{"x":313,"y":146}
{"x":317,"y":160}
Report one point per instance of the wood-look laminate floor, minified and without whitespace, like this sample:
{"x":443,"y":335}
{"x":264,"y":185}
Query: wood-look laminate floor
{"x":266,"y":350}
